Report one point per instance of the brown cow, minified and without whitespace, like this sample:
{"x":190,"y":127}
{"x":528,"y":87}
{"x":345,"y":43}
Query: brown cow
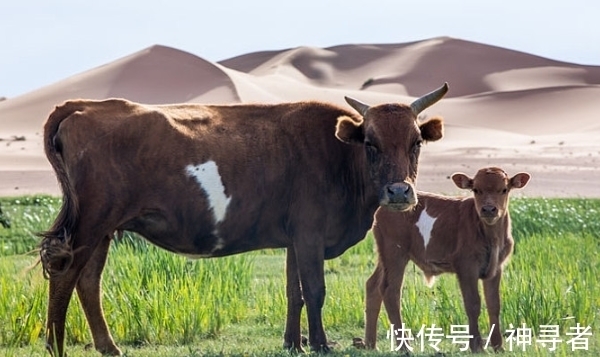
{"x":211,"y":181}
{"x":467,"y":236}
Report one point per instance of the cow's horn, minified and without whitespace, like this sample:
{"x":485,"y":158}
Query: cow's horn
{"x":357,"y":105}
{"x":428,"y":99}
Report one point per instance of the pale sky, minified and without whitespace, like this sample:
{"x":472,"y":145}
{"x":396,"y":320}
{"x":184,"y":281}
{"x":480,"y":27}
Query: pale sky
{"x":44,"y":41}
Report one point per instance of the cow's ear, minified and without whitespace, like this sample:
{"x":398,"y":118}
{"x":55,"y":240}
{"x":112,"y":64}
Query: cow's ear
{"x":432,"y":129}
{"x":462,"y":181}
{"x":349,"y":130}
{"x":519,"y":180}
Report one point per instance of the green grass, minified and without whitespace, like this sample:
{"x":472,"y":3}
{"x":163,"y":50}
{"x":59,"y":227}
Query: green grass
{"x":27,"y":215}
{"x":160,"y":304}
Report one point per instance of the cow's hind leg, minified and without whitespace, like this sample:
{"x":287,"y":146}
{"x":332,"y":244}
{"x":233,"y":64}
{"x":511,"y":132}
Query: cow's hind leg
{"x":89,"y":292}
{"x":63,"y":270}
{"x":292,"y":337}
{"x":60,"y":291}
{"x":63,"y":260}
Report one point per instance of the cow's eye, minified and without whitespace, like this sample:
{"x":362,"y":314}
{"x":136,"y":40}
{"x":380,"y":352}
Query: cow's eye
{"x":371,"y":148}
{"x":417,"y":147}
{"x":504,"y":191}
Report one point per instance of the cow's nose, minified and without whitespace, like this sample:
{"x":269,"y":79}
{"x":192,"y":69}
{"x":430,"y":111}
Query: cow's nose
{"x":400,"y":192}
{"x":489,"y":210}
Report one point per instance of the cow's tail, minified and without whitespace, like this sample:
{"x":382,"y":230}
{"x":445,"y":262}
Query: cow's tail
{"x":56,"y":248}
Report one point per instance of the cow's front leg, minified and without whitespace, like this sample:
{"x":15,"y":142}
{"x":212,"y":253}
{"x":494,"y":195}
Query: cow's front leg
{"x":310,"y":260}
{"x":292,"y":337}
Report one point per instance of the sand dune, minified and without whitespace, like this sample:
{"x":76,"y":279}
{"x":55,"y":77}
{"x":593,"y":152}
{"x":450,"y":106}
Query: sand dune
{"x":504,"y":108}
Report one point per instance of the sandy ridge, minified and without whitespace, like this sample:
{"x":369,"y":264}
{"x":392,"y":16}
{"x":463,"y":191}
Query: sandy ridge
{"x":504,"y":108}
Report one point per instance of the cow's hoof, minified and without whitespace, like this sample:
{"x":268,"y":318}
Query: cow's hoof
{"x":321,"y":348}
{"x":326,"y":348}
{"x":358,"y":342}
{"x":293,"y":349}
{"x":110,"y":350}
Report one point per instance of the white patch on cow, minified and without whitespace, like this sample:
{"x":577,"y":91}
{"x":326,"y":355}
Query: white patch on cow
{"x":207,"y":175}
{"x":425,"y":225}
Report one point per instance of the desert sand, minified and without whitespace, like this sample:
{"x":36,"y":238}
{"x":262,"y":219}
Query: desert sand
{"x":504,"y":108}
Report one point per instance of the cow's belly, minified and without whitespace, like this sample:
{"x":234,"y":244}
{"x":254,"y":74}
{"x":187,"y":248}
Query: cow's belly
{"x":203,"y":214}
{"x":196,"y":235}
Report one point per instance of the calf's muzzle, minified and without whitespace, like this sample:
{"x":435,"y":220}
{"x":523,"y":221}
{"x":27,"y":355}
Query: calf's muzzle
{"x":489,"y":214}
{"x":489,"y":211}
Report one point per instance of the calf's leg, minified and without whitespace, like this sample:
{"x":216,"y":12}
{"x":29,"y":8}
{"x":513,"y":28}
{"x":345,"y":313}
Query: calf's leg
{"x":89,"y":293}
{"x":390,"y":287}
{"x":491,"y":290}
{"x":472,"y":302}
{"x":373,"y":302}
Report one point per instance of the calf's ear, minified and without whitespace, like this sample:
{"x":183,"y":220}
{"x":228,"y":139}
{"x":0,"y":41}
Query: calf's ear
{"x":349,"y":130}
{"x":519,"y":180}
{"x":432,"y":129}
{"x":462,"y":181}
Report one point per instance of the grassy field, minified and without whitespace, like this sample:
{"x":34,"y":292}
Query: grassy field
{"x":160,"y":304}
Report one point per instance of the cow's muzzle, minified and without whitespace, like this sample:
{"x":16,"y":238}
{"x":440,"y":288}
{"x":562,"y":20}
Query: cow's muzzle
{"x":399,"y":196}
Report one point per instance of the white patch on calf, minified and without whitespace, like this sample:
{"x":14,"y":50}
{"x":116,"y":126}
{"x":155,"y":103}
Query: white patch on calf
{"x":425,"y":225}
{"x":207,"y":175}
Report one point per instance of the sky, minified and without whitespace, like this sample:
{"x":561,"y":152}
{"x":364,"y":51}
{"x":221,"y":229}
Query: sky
{"x":42,"y":42}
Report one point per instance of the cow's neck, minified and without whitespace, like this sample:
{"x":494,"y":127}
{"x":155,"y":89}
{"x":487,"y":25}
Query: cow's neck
{"x":370,"y":198}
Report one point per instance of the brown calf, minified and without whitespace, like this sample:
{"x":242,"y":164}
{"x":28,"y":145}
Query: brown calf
{"x":467,"y":236}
